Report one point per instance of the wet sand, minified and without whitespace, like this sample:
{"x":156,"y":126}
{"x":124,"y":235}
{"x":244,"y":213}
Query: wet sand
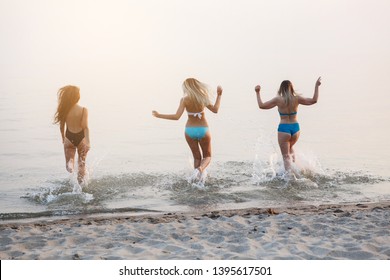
{"x":358,"y":231}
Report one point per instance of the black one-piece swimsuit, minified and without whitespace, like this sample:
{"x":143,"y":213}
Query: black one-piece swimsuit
{"x":75,"y":138}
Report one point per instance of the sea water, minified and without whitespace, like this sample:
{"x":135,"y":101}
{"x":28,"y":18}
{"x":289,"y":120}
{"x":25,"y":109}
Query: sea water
{"x":139,"y":164}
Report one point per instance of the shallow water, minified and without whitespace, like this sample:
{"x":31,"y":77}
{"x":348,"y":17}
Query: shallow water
{"x":229,"y":185}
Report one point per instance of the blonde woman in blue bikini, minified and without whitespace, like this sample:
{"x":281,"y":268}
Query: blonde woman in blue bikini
{"x":196,"y":99}
{"x":287,"y":102}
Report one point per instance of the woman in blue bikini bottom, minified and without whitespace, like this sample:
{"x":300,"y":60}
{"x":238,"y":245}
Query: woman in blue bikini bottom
{"x":195,"y":100}
{"x":196,"y":132}
{"x":290,"y":128}
{"x":290,"y":134}
{"x":199,"y":140}
{"x":287,"y":102}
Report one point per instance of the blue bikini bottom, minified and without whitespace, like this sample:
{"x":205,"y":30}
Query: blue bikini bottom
{"x":196,"y":132}
{"x":290,"y":128}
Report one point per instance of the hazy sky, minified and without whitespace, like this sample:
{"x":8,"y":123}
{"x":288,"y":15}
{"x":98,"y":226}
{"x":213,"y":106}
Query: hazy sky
{"x":144,"y":48}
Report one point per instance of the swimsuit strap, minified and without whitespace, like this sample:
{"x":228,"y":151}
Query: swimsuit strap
{"x":287,"y":114}
{"x":82,"y":116}
{"x":199,"y":115}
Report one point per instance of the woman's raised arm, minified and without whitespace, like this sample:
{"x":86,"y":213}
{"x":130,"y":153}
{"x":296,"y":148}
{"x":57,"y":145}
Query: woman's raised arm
{"x":214,"y":108}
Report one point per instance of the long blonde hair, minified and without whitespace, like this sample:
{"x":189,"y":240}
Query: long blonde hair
{"x":287,"y":92}
{"x":68,"y":96}
{"x":197,"y":92}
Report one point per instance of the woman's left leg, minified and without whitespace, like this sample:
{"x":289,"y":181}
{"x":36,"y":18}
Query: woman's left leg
{"x":82,"y":150}
{"x":194,"y":146}
{"x":70,"y":151}
{"x":293,"y":140}
{"x":205,"y":144}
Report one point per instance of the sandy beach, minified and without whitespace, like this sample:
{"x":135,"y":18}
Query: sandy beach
{"x":359,"y":231}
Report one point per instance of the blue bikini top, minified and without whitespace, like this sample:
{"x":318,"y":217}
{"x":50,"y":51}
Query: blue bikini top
{"x":288,"y":114}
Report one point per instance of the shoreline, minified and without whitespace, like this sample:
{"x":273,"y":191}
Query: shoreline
{"x":168,"y":216}
{"x":334,"y":231}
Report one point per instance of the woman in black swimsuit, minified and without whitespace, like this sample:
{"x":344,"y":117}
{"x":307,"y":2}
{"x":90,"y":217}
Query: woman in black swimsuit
{"x":75,"y":118}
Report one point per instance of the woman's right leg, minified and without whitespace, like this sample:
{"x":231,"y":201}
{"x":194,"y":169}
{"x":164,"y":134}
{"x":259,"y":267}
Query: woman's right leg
{"x":82,"y":150}
{"x":194,"y":146}
{"x":205,"y":144}
{"x":70,"y":151}
{"x":294,"y":139}
{"x":284,"y":144}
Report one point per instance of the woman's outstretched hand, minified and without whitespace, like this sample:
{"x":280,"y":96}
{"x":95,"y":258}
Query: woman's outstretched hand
{"x":258,"y":88}
{"x":318,"y":82}
{"x":155,"y":114}
{"x":219,"y":90}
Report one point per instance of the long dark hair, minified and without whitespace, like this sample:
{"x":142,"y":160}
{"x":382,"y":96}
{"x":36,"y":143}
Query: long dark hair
{"x":68,"y":96}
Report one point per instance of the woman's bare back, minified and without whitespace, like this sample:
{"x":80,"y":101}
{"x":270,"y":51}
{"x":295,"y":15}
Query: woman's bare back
{"x":194,"y":108}
{"x":74,"y":119}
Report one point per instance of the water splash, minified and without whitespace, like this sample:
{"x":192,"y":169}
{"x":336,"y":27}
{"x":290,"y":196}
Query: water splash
{"x":305,"y":167}
{"x":198,"y":179}
{"x":227,"y":185}
{"x":266,"y":171}
{"x":78,"y":186}
{"x":60,"y":193}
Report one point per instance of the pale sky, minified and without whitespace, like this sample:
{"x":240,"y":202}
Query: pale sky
{"x":148,"y":47}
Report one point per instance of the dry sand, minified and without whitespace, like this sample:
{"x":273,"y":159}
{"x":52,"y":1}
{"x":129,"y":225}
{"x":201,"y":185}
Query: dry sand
{"x":359,"y":231}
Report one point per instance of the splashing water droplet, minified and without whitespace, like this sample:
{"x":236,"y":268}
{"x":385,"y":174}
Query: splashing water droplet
{"x":198,"y":179}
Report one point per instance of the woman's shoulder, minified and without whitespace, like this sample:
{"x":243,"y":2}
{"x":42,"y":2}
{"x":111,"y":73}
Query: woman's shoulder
{"x":78,"y":110}
{"x":279,"y":100}
{"x":278,"y":97}
{"x":84,"y":111}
